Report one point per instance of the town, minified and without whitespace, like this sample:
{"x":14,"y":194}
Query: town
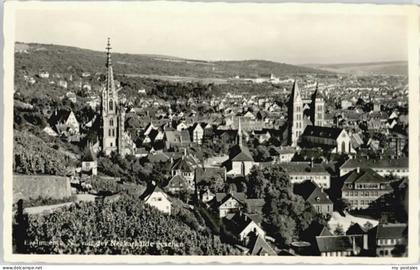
{"x":309,"y":163}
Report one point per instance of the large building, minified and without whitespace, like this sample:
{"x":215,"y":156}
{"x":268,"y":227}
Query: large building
{"x":299,"y":117}
{"x":384,"y":167}
{"x":363,"y":186}
{"x":337,"y":140}
{"x":113,"y":115}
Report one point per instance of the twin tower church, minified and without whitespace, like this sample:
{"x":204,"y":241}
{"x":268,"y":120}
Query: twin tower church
{"x":301,"y":114}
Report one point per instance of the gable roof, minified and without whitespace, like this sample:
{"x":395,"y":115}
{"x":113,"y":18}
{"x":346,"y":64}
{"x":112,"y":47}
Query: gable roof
{"x":258,"y":246}
{"x":318,"y":197}
{"x":334,"y":243}
{"x":323,"y":132}
{"x":150,"y":190}
{"x":365,"y":175}
{"x":88,"y":155}
{"x":391,"y":231}
{"x":355,"y":229}
{"x":223,"y":197}
{"x":178,"y":181}
{"x":240,"y":153}
{"x":304,"y":167}
{"x":370,"y":163}
{"x":183,"y":164}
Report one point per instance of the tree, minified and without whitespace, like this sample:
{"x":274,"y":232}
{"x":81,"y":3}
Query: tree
{"x":285,"y":214}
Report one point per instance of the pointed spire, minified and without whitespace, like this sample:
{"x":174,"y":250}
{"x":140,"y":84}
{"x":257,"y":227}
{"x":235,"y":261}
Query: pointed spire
{"x":108,"y":53}
{"x":295,"y":89}
{"x":317,"y":93}
{"x":239,"y":135}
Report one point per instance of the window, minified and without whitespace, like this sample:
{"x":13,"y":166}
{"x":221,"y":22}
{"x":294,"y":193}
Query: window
{"x":111,"y":122}
{"x":111,"y":105}
{"x":113,"y":132}
{"x":109,"y":132}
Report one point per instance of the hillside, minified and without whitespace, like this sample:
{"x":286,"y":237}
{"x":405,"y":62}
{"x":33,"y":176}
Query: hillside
{"x":372,"y":68}
{"x":31,"y":58}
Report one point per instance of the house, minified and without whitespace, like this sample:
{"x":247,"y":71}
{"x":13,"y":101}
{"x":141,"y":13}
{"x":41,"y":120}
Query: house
{"x":301,"y":171}
{"x":210,"y":173}
{"x":44,"y":75}
{"x":185,"y":166}
{"x":177,"y":183}
{"x":174,"y":138}
{"x":242,"y":226}
{"x":197,"y":133}
{"x":282,"y":154}
{"x":335,"y":139}
{"x":181,"y":126}
{"x":257,"y":246}
{"x":384,"y":167}
{"x":89,"y":162}
{"x":240,"y":161}
{"x":65,"y":124}
{"x":391,"y":239}
{"x":227,"y":203}
{"x":315,"y":195}
{"x":155,"y":197}
{"x":363,"y":186}
{"x":339,"y":245}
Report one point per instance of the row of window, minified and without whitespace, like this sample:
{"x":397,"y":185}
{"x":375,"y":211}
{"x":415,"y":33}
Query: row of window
{"x":387,"y":241}
{"x":361,"y":202}
{"x":111,"y":132}
{"x":308,"y":177}
{"x":336,"y":253}
{"x":367,"y":186}
{"x":361,"y":193}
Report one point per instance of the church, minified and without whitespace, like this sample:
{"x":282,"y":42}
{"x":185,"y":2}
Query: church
{"x":301,"y":115}
{"x":113,"y":116}
{"x":306,"y":125}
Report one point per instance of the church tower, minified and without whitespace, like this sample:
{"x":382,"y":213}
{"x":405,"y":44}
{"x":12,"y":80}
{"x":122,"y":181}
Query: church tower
{"x":110,"y":111}
{"x":295,"y":115}
{"x":318,"y":108}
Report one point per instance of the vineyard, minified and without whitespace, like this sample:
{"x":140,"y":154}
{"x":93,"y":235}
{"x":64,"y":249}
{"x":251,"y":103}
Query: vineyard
{"x":126,"y":226}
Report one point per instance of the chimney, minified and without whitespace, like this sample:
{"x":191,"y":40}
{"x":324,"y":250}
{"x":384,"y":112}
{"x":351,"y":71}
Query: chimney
{"x":185,"y":151}
{"x":358,"y":169}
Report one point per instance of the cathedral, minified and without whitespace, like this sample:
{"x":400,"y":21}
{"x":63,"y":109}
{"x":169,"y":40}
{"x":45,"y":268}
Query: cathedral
{"x":302,"y":113}
{"x":113,"y":116}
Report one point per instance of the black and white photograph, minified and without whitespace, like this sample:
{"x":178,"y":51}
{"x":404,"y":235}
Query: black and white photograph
{"x":210,"y":129}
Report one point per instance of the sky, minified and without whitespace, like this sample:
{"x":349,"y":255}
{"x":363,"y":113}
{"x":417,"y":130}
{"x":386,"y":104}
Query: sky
{"x":220,"y":31}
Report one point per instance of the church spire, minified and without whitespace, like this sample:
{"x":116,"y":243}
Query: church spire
{"x":295,"y":91}
{"x":110,"y":92}
{"x":239,"y":135}
{"x":108,"y":53}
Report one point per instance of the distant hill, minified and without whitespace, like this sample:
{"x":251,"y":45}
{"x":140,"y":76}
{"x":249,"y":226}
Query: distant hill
{"x":373,"y":68}
{"x":31,"y":58}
